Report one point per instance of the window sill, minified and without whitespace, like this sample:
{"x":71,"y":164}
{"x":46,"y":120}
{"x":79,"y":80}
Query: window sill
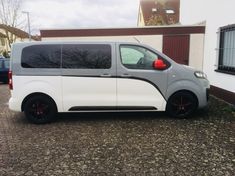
{"x":226,"y":72}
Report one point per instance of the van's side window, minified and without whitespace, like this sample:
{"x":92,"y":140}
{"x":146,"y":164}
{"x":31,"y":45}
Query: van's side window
{"x":86,"y":56}
{"x":136,"y":57}
{"x":41,"y":56}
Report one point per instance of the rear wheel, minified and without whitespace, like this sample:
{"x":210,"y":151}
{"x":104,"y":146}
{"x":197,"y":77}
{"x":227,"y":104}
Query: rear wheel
{"x":40,"y":109}
{"x":181,"y":104}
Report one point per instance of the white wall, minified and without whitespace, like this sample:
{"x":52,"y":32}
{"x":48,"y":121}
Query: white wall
{"x":217,"y":14}
{"x":154,"y":41}
{"x":196,"y":51}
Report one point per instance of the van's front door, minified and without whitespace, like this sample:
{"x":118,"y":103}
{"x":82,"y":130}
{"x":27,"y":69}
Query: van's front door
{"x":88,"y":77}
{"x":139,"y":85}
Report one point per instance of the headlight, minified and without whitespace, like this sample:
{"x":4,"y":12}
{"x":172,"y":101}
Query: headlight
{"x":200,"y":74}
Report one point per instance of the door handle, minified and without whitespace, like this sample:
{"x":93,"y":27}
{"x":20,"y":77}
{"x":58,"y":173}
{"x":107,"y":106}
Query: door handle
{"x":105,"y":75}
{"x":125,"y":75}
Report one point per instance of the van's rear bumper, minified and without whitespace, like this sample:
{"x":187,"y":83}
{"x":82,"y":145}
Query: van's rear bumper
{"x":14,"y":105}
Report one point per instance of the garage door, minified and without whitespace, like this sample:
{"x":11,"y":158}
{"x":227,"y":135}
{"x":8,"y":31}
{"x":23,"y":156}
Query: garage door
{"x":177,"y":48}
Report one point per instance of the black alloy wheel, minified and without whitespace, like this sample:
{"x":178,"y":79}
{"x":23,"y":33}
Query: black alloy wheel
{"x":181,"y":104}
{"x":40,"y":109}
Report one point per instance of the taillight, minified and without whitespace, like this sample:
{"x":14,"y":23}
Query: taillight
{"x":10,"y":80}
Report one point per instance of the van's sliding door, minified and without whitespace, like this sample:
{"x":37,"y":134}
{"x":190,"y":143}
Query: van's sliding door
{"x":139,"y":86}
{"x":88,"y":77}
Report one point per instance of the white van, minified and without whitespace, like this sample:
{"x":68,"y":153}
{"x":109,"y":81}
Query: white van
{"x":50,"y":77}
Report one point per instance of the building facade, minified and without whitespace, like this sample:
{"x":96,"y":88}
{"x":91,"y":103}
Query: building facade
{"x":158,"y":12}
{"x":219,"y":50}
{"x":8,"y":33}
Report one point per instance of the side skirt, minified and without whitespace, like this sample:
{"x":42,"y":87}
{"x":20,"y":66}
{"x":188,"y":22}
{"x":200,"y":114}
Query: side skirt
{"x":112,"y":108}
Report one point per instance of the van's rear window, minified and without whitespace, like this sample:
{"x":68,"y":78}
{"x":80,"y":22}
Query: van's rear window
{"x":41,"y":56}
{"x":86,"y":56}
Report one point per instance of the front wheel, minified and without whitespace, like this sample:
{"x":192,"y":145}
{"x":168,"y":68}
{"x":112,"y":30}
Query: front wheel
{"x":40,"y":109}
{"x":181,"y":104}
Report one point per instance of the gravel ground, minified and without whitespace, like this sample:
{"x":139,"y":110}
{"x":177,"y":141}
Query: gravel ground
{"x":118,"y":143}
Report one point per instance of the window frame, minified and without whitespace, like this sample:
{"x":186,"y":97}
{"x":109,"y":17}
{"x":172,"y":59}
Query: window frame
{"x":159,"y":55}
{"x":221,"y":68}
{"x":2,"y":42}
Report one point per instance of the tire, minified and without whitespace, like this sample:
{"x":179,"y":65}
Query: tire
{"x":40,"y":109}
{"x":181,"y":104}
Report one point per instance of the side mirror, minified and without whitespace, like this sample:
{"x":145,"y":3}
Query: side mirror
{"x":159,"y":64}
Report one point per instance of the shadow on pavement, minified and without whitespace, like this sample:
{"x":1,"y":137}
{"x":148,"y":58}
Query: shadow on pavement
{"x":201,"y":114}
{"x":122,"y":116}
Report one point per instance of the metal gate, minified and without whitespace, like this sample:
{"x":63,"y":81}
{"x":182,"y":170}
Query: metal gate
{"x":177,"y":48}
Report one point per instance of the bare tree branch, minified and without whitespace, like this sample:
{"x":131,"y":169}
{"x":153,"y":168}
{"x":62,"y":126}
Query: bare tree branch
{"x":9,"y":14}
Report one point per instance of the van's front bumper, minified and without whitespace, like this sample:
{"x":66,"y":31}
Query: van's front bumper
{"x":204,"y":95}
{"x":207,"y":94}
{"x":14,"y":105}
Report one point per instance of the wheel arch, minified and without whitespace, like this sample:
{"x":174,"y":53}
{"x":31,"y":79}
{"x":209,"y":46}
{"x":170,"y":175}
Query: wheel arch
{"x":183,"y":85}
{"x":35,"y":94}
{"x":188,"y":91}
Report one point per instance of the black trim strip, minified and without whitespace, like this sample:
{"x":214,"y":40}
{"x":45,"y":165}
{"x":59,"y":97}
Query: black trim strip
{"x":226,"y":71}
{"x":104,"y":108}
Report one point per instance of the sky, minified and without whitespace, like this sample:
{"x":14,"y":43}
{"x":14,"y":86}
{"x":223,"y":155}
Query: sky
{"x":55,"y":14}
{"x":70,"y":14}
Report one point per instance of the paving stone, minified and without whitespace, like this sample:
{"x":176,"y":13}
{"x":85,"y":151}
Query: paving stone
{"x":118,"y":143}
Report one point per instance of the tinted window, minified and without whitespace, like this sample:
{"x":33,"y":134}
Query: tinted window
{"x":86,"y":56}
{"x":41,"y":56}
{"x":136,"y":57}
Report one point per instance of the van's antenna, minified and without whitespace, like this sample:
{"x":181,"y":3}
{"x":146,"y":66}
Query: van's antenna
{"x":136,"y":39}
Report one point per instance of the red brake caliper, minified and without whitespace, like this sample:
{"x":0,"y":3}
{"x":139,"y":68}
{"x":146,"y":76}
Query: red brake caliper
{"x":39,"y":109}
